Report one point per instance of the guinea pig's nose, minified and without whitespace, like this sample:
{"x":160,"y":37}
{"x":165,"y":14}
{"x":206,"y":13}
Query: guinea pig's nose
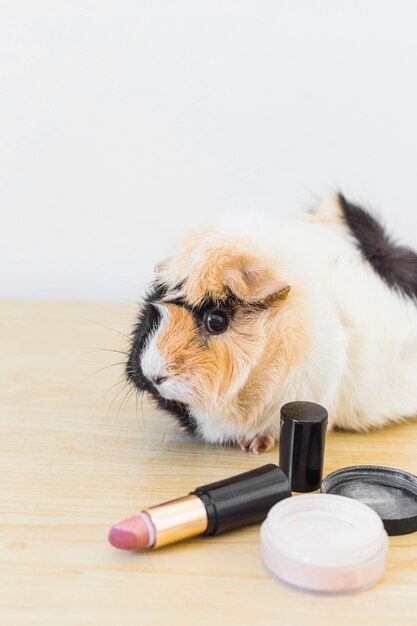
{"x":159,"y":379}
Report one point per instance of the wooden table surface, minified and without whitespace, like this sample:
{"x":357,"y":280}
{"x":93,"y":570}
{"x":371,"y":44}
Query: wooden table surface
{"x":77,"y":455}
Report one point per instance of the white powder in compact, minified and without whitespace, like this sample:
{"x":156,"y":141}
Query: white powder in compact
{"x":389,"y":502}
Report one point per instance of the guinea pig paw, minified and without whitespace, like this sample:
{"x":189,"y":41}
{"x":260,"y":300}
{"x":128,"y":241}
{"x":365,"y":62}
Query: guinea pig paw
{"x":259,"y":444}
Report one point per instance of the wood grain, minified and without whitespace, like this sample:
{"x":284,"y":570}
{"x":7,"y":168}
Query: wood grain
{"x":75,"y":458}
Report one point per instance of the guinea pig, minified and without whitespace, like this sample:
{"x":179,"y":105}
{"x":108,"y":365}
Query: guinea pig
{"x":252,"y":313}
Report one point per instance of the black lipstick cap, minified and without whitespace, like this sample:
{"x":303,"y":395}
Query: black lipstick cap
{"x":301,"y":444}
{"x":243,"y":499}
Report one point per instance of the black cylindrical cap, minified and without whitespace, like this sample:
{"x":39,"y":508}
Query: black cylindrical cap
{"x":243,"y":499}
{"x":301,"y":444}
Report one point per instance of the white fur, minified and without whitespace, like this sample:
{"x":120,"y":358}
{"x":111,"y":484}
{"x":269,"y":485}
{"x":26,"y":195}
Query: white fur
{"x":153,"y":363}
{"x":363,"y":362}
{"x":215,"y":429}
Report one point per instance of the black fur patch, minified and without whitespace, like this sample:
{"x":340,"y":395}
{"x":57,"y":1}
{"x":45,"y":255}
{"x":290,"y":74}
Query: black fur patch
{"x":148,"y":321}
{"x":180,"y":411}
{"x":229,"y":304}
{"x":395,"y":264}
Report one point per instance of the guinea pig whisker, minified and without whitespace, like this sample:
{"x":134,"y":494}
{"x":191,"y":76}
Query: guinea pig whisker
{"x":166,"y":434}
{"x":121,"y":380}
{"x":124,"y":401}
{"x":140,"y":394}
{"x":109,"y":409}
{"x":108,"y":350}
{"x":136,"y":404}
{"x":127,"y":386}
{"x":114,"y":330}
{"x":142,"y":400}
{"x":81,"y":382}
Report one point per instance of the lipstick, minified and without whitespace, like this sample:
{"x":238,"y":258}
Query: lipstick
{"x":208,"y":510}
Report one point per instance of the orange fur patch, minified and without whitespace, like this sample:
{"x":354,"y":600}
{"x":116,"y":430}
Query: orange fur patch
{"x":212,"y":265}
{"x":237,"y":374}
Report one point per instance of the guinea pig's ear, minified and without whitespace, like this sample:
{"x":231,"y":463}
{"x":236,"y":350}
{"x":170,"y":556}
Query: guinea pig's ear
{"x":159,"y":267}
{"x":253,"y":283}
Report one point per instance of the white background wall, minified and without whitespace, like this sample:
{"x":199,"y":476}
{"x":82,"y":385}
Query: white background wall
{"x":124,"y":123}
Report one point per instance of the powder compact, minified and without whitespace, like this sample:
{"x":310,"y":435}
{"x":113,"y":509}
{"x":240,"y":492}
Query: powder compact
{"x":326,"y":543}
{"x":390,"y":492}
{"x":335,"y":541}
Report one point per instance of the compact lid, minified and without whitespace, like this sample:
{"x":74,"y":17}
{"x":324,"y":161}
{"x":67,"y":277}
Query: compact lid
{"x":390,"y":492}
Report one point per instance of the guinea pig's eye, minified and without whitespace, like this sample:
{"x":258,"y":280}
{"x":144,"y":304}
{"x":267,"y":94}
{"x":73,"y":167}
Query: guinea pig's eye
{"x":216,"y":321}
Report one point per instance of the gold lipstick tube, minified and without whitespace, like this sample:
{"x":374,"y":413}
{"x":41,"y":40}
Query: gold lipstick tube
{"x":178,"y":519}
